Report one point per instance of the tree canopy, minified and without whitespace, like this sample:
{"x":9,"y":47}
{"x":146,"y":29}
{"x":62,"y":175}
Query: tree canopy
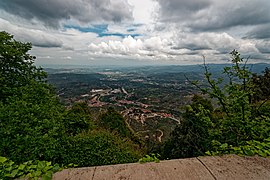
{"x":34,"y":125}
{"x":16,"y":66}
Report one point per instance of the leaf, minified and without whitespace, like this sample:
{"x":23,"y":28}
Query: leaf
{"x":9,"y":168}
{"x":37,"y":173}
{"x":261,"y":153}
{"x":10,"y":163}
{"x":21,"y":166}
{"x":46,"y":177}
{"x":56,"y":168}
{"x":224,"y":146}
{"x":47,"y":168}
{"x":33,"y":166}
{"x":7,"y":175}
{"x":248,"y":152}
{"x":14,"y":173}
{"x":41,"y":165}
{"x":3,"y":159}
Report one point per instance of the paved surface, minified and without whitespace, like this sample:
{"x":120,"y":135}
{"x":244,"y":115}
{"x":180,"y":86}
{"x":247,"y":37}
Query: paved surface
{"x":224,"y":167}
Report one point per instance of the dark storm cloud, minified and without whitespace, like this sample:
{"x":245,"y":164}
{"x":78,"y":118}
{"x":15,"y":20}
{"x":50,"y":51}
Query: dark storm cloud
{"x":194,"y":47}
{"x":259,"y":32}
{"x":212,"y":15}
{"x":263,"y":46}
{"x":39,"y":39}
{"x":174,"y":10}
{"x":47,"y":44}
{"x":235,"y":13}
{"x":51,"y":12}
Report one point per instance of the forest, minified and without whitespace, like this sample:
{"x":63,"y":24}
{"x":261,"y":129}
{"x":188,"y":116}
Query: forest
{"x":40,"y":136}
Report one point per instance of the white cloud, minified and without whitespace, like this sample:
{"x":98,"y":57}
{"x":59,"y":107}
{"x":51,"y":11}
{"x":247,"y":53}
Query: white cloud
{"x":154,"y":47}
{"x":220,"y":41}
{"x":144,"y":11}
{"x":181,"y":46}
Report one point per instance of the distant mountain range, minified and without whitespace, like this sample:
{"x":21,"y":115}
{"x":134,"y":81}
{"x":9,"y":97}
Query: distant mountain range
{"x":256,"y":68}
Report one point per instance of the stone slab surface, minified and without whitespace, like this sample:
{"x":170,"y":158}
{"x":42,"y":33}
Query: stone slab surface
{"x":236,"y":167}
{"x":224,"y":167}
{"x":75,"y":173}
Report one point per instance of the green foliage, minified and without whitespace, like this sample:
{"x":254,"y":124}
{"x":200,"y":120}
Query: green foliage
{"x":16,"y":66}
{"x":198,"y":101}
{"x":30,"y":169}
{"x":115,"y":122}
{"x":37,"y":131}
{"x":78,"y":119}
{"x":31,"y":125}
{"x":34,"y":130}
{"x":100,"y":148}
{"x":30,"y":113}
{"x":261,"y":86}
{"x":150,"y":158}
{"x":35,"y":126}
{"x":250,"y":148}
{"x":190,"y":138}
{"x":237,"y":125}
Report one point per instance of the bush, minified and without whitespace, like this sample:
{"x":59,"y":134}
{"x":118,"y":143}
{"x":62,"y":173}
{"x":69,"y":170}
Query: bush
{"x":78,"y":119}
{"x":192,"y":136}
{"x":114,"y":122}
{"x":238,"y":125}
{"x":100,"y":148}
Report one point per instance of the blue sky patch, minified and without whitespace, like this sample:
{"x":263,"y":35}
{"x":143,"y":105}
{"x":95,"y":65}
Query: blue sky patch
{"x":118,"y":34}
{"x":131,"y":29}
{"x":102,"y":30}
{"x":98,"y":29}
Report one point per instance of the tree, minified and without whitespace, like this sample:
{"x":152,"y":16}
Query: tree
{"x":16,"y":66}
{"x":234,"y":99}
{"x":234,"y":126}
{"x":261,"y":86}
{"x":78,"y":119}
{"x":114,"y":121}
{"x":30,"y":113}
{"x":192,"y":136}
{"x":35,"y":126}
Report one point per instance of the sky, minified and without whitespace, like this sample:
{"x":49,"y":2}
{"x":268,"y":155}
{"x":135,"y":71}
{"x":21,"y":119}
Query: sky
{"x":132,"y":32}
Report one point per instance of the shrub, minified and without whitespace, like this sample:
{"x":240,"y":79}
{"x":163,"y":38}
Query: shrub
{"x":237,"y":125}
{"x":100,"y":148}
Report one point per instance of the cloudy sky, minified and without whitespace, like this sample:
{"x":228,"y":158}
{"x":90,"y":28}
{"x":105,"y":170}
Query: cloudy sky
{"x":96,"y":32}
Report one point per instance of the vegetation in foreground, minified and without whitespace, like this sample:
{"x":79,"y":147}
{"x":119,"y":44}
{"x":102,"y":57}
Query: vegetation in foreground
{"x":239,"y":124}
{"x":35,"y":126}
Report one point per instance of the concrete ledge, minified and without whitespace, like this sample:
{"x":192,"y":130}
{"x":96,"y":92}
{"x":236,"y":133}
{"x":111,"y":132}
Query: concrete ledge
{"x":224,"y":167}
